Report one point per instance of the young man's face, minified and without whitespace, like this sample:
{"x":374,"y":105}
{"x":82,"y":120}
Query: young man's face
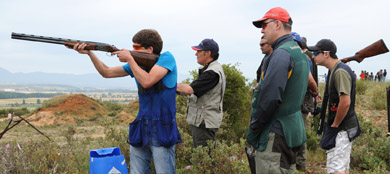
{"x":138,"y":47}
{"x":319,"y":57}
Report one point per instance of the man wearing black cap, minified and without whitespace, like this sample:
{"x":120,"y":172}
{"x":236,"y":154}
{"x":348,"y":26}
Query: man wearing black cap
{"x":342,"y":125}
{"x":205,"y":103}
{"x":276,"y":129}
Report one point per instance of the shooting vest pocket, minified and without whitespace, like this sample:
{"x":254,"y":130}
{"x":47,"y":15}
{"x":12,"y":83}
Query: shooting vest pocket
{"x":167,"y":130}
{"x":328,"y":141}
{"x":135,"y":133}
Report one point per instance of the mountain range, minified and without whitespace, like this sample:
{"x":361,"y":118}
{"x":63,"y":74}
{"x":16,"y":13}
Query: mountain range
{"x":93,"y":80}
{"x":84,"y":80}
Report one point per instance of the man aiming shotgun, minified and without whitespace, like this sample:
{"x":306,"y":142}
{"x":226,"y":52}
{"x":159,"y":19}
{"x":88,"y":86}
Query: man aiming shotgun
{"x":154,"y":132}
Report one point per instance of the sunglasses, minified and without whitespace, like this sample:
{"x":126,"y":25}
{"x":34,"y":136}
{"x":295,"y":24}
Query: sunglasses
{"x":139,"y":46}
{"x":264,"y":25}
{"x":262,"y":44}
{"x":316,"y":53}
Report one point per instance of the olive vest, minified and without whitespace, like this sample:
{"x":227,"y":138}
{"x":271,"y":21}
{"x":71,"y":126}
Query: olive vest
{"x":209,"y":106}
{"x":289,"y":110}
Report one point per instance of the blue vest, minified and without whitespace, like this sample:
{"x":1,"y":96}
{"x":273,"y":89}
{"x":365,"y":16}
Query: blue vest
{"x":156,"y":119}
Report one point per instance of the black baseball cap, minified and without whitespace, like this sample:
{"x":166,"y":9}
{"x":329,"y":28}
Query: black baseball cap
{"x":207,"y":45}
{"x":325,"y":45}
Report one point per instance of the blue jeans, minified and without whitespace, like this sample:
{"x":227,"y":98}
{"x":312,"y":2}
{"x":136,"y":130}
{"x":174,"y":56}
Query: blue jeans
{"x":163,"y":158}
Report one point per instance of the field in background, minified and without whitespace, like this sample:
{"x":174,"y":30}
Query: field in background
{"x":33,"y":103}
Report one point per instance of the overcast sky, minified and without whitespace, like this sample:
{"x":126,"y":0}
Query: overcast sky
{"x":351,"y":24}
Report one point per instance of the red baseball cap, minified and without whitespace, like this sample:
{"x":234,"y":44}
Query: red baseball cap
{"x":277,"y":13}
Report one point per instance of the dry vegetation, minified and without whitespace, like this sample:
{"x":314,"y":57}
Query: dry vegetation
{"x":78,"y":124}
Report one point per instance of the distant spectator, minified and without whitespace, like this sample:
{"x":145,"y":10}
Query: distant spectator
{"x":376,"y":76}
{"x":384,"y":75}
{"x":372,"y":76}
{"x":362,"y":75}
{"x":326,"y":77}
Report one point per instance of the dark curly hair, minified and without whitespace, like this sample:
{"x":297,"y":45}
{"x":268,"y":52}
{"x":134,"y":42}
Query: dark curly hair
{"x":147,"y":38}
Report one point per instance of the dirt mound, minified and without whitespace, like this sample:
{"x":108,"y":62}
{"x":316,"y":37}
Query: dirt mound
{"x":77,"y":105}
{"x":65,"y":108}
{"x":71,"y":108}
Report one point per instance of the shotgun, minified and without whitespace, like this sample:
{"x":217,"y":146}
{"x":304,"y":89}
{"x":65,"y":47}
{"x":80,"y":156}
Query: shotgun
{"x":376,"y":48}
{"x":143,"y":59}
{"x":324,"y":107}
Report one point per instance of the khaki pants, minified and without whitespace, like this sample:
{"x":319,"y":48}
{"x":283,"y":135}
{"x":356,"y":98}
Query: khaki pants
{"x":302,"y":156}
{"x":277,"y":157}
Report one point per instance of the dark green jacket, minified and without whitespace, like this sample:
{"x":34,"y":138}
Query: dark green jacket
{"x":286,"y":106}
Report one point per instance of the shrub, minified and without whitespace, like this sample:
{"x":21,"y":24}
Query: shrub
{"x":226,"y":157}
{"x":112,"y":108}
{"x":371,"y":149}
{"x":362,"y":86}
{"x":18,"y":111}
{"x":236,"y":102}
{"x":222,"y":158}
{"x":313,"y":140}
{"x":377,"y":95}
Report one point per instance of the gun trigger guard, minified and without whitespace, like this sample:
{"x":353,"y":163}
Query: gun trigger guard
{"x":109,"y":54}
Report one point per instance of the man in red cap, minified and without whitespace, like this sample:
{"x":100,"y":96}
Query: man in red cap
{"x":276,"y":128}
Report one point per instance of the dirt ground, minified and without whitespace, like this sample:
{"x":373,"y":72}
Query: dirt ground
{"x":77,"y":110}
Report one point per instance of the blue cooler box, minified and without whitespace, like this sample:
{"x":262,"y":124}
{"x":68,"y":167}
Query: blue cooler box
{"x":107,"y":161}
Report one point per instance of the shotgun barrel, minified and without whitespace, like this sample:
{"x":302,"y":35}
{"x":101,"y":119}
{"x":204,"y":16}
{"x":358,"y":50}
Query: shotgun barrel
{"x":143,"y":59}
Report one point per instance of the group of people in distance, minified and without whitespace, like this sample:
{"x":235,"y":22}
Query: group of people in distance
{"x":380,"y":76}
{"x":277,"y":127}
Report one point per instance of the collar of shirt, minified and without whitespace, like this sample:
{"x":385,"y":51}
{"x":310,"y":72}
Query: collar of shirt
{"x":281,"y":40}
{"x":205,"y":67}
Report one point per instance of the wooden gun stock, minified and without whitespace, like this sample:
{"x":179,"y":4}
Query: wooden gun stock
{"x":144,"y":60}
{"x":378,"y":47}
